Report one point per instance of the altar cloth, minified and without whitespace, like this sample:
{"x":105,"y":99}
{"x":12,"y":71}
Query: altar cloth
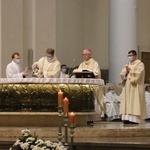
{"x":53,"y":80}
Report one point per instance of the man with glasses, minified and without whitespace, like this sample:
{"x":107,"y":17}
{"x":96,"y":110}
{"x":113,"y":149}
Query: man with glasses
{"x":133,"y":106}
{"x":89,"y":63}
{"x":49,"y":66}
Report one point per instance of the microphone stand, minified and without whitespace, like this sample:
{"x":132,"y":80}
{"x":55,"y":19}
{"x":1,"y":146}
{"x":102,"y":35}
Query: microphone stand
{"x":70,"y":68}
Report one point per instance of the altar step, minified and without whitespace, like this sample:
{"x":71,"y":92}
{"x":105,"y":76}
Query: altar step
{"x":100,"y":136}
{"x":98,"y":130}
{"x":39,"y":119}
{"x":140,"y":143}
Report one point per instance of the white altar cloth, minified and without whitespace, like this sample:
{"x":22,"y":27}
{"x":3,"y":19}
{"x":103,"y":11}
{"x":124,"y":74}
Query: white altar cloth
{"x":53,"y":80}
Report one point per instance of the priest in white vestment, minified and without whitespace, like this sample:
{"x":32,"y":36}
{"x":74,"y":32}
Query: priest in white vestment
{"x":13,"y":68}
{"x":133,"y":106}
{"x":112,"y":104}
{"x":90,"y":64}
{"x":49,"y":66}
{"x":147,"y":98}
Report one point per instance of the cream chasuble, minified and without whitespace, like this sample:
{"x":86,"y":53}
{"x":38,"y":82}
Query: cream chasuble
{"x":133,"y":95}
{"x":92,"y":65}
{"x":52,"y":67}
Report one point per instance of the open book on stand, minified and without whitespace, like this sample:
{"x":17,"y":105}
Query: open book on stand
{"x":85,"y":73}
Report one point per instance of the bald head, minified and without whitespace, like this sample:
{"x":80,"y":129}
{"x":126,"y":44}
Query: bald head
{"x":111,"y":88}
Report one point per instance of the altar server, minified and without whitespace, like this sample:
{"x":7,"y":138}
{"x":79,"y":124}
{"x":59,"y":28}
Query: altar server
{"x":63,"y":71}
{"x":49,"y":66}
{"x":133,"y":106}
{"x":13,"y":68}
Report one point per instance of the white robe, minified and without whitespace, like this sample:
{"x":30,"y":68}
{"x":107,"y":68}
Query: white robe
{"x":13,"y":70}
{"x":92,"y":65}
{"x":112,"y":104}
{"x":147,"y":99}
{"x":51,"y":69}
{"x":133,"y":106}
{"x":63,"y":75}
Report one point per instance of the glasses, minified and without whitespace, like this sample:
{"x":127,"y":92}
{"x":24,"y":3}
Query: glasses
{"x":85,"y":54}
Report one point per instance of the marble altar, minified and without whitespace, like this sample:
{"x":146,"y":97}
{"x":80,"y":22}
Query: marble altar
{"x":40,"y":94}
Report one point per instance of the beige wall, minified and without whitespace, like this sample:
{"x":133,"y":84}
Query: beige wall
{"x":45,"y":26}
{"x":96,"y":29}
{"x":70,"y":31}
{"x":68,"y":26}
{"x":81,"y":24}
{"x":39,"y":27}
{"x":11,"y":31}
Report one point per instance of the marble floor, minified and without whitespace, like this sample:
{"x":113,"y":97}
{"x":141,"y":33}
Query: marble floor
{"x":100,"y":135}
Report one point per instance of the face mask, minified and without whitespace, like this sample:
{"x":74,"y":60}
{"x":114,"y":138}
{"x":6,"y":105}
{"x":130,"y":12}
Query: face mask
{"x":112,"y":91}
{"x":17,"y":61}
{"x":64,"y":70}
{"x":48,"y":58}
{"x":130,"y":58}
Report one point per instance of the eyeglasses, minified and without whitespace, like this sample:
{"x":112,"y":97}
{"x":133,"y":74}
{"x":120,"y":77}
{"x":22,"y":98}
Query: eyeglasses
{"x":85,"y":54}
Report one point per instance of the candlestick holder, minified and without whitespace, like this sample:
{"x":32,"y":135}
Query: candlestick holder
{"x":66,"y":131}
{"x":60,"y":124}
{"x":72,"y":137}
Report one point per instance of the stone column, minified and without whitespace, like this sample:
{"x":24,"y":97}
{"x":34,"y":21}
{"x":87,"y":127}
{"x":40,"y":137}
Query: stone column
{"x":122,"y":35}
{"x":39,"y":28}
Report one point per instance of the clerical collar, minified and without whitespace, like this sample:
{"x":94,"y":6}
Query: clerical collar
{"x":86,"y":62}
{"x":134,"y":62}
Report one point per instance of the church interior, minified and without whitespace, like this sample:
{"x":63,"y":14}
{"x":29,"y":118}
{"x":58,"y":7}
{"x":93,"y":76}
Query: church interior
{"x":110,"y":28}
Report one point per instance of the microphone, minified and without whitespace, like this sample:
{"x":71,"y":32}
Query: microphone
{"x":71,"y":66}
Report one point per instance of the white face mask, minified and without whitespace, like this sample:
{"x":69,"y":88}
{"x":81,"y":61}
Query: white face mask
{"x":130,"y":58}
{"x":48,"y":58}
{"x":17,"y":61}
{"x":64,"y":70}
{"x":112,"y":91}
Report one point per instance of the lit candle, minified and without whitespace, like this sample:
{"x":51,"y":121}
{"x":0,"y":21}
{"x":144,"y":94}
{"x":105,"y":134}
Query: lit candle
{"x":65,"y":107}
{"x":60,"y":99}
{"x":72,"y":119}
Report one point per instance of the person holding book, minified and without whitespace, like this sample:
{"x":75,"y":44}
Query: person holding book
{"x":89,"y":63}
